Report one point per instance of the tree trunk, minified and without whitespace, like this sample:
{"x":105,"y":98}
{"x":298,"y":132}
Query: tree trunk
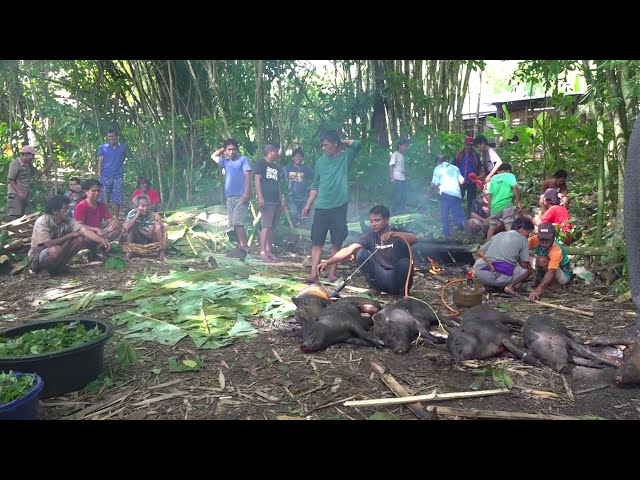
{"x":379,"y":125}
{"x":621,"y":139}
{"x":596,"y":112}
{"x":258,"y":65}
{"x":172,"y":192}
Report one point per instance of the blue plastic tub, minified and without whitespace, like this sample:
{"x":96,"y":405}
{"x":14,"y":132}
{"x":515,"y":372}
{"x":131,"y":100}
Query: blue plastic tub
{"x":25,"y":407}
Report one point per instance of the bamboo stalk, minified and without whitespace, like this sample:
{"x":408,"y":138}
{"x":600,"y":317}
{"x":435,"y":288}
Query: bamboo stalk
{"x":567,"y":309}
{"x":432,"y":397}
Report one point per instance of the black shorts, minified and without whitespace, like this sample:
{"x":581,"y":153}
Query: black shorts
{"x":329,"y":219}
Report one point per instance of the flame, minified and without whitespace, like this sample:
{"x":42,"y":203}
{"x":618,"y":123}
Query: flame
{"x":435,"y":267}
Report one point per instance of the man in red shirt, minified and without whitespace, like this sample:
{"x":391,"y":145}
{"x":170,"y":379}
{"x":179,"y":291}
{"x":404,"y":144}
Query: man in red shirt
{"x":144,"y":188}
{"x":555,"y":213}
{"x":559,"y":183}
{"x":90,"y":212}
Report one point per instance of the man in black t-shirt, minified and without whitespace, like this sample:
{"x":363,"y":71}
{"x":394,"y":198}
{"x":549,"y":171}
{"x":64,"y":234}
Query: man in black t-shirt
{"x":270,"y":200}
{"x":388,"y":268}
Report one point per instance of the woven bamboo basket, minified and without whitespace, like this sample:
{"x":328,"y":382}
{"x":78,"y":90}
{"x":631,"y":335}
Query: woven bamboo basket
{"x":147,"y":248}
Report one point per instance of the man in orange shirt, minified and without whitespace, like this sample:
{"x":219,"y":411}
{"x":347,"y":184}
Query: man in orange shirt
{"x":553,"y":267}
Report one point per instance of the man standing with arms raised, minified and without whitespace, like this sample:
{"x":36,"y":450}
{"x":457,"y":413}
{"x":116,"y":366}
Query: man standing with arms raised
{"x":331,"y":189}
{"x":237,"y":188}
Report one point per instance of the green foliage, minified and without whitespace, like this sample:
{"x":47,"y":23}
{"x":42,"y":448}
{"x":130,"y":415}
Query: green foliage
{"x":114,"y":263}
{"x":126,"y":354}
{"x":13,"y":387}
{"x":187,"y":365}
{"x":48,"y":340}
{"x":209,"y":307}
{"x":499,"y":375}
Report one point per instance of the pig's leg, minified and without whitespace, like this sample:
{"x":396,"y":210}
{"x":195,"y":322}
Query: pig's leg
{"x":586,"y":353}
{"x":521,"y":354}
{"x":586,"y":363}
{"x":426,"y":335}
{"x":360,"y":342}
{"x":618,"y":339}
{"x":360,"y":332}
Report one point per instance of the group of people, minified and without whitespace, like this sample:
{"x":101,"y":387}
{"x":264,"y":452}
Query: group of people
{"x":80,"y":218}
{"x":382,"y":253}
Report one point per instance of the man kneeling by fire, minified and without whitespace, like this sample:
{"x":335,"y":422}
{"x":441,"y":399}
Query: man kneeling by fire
{"x":56,"y":238}
{"x":381,"y":254}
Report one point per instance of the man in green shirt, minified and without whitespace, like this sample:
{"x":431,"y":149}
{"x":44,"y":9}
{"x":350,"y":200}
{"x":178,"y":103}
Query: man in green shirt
{"x":502,"y":188}
{"x":331,"y":189}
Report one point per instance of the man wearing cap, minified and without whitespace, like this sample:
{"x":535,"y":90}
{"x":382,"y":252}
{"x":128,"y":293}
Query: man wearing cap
{"x":20,"y":172}
{"x":558,"y":182}
{"x":396,"y":172}
{"x":112,"y":157}
{"x":504,"y":259}
{"x":554,"y":213}
{"x":447,"y":178}
{"x":469,"y":162}
{"x":502,"y":189}
{"x":553,"y":267}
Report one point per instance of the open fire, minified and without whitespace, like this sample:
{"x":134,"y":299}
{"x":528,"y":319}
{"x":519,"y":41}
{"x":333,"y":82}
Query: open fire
{"x":435,"y":266}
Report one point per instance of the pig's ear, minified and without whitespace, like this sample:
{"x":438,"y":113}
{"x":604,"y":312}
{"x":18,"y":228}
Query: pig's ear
{"x":296,"y":301}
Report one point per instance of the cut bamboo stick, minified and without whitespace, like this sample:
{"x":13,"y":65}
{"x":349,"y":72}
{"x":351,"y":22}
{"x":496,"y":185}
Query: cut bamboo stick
{"x":417,"y":409}
{"x":567,"y":309}
{"x":473,"y":413}
{"x":432,"y":397}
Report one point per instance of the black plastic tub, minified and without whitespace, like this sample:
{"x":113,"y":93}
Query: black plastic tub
{"x":64,"y":371}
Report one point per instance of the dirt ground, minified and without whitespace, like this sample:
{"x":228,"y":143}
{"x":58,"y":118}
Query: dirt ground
{"x":268,"y":377}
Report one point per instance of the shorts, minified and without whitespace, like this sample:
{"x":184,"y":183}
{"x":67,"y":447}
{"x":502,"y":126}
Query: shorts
{"x":270,"y":215}
{"x":16,"y":206}
{"x":494,"y":279}
{"x":38,"y":259}
{"x":506,"y":216}
{"x":114,"y":186}
{"x":563,"y":277}
{"x":329,"y":219}
{"x":237,"y":212}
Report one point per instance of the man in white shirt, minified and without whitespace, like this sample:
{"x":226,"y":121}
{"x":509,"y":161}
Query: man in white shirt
{"x":396,"y":172}
{"x":489,"y":156}
{"x":448,"y":179}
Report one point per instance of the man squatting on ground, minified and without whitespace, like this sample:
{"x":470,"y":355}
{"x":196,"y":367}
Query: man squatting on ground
{"x":386,"y":270}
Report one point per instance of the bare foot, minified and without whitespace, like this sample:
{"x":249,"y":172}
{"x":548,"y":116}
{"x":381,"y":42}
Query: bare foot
{"x":161,"y":256}
{"x":311,"y":279}
{"x":510,"y":290}
{"x":375,"y":291}
{"x":128,"y":256}
{"x":332,"y":278}
{"x":44,"y":273}
{"x":265,"y":258}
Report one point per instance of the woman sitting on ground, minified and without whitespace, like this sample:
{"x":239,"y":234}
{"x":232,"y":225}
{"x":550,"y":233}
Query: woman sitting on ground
{"x":143,"y":227}
{"x":144,"y":189}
